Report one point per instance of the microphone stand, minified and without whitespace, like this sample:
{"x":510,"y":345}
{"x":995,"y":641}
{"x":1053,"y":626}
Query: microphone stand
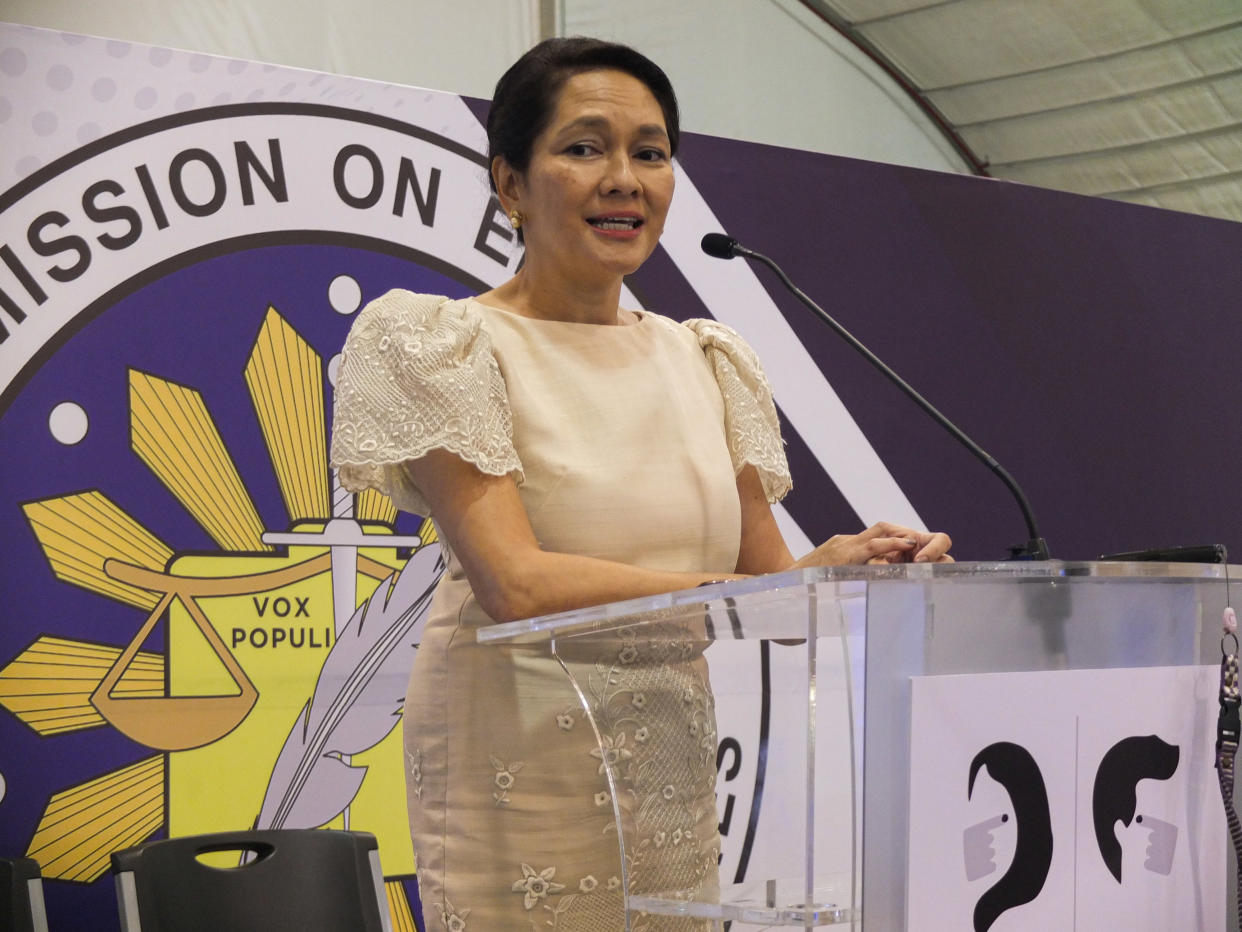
{"x":1036,"y":548}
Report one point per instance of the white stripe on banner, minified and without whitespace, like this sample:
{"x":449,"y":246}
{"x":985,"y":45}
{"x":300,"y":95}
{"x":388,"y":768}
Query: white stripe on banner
{"x":735,"y":297}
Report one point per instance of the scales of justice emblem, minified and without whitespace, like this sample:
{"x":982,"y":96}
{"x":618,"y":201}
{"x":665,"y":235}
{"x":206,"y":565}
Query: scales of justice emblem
{"x":275,"y":700}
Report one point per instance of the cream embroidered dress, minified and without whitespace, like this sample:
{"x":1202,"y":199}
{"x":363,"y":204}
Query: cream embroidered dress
{"x":625,"y":442}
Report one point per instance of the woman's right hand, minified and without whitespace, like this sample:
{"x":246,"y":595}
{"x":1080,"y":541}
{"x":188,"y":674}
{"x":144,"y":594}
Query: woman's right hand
{"x":881,"y":543}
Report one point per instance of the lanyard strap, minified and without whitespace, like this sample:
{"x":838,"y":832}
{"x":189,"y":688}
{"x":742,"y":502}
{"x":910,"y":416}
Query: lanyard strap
{"x":1227,"y":728}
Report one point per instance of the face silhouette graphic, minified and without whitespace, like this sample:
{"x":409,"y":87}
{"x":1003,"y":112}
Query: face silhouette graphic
{"x":1013,"y":767}
{"x":1114,"y":798}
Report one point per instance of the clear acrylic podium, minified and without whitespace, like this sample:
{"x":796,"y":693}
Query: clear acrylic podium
{"x":813,"y":668}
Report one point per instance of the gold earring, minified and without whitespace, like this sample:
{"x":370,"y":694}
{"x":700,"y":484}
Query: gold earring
{"x":516,"y":218}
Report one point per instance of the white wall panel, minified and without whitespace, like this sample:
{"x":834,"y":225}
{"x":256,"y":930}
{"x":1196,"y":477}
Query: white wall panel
{"x":771,"y":71}
{"x":762,"y":70}
{"x":453,"y":45}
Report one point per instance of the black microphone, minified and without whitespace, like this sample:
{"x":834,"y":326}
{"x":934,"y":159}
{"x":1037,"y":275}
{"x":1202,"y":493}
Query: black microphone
{"x":720,"y":246}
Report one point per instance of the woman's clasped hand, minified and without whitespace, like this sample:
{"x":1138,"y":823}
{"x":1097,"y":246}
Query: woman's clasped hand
{"x":881,"y":543}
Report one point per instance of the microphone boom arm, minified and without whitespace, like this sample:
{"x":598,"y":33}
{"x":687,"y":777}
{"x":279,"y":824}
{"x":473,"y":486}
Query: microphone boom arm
{"x":1036,"y":548}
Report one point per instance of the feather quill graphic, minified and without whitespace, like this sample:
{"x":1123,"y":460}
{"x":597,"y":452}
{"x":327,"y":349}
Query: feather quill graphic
{"x":356,"y":702}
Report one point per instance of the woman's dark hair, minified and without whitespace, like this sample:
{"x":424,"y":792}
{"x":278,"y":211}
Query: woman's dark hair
{"x":526,"y":94}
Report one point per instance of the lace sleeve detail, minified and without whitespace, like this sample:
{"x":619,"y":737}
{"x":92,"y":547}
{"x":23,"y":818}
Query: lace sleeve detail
{"x":417,"y":374}
{"x":751,"y":425}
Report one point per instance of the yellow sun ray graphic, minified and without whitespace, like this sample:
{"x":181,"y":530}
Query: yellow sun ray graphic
{"x":83,"y":825}
{"x":49,"y":684}
{"x":285,"y":378}
{"x":80,"y":533}
{"x":399,"y":907}
{"x":266,"y":646}
{"x":377,"y":507}
{"x":175,"y":436}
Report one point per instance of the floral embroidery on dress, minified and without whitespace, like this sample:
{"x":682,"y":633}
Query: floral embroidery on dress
{"x":589,"y":906}
{"x":415,"y":759}
{"x":504,"y":779}
{"x":751,"y":423}
{"x":648,"y":701}
{"x":652,"y":707}
{"x":536,"y":885}
{"x":453,"y":920}
{"x":418,"y":373}
{"x":612,"y":753}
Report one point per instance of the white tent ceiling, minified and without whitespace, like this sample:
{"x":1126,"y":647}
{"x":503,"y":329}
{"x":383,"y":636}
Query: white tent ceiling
{"x":1137,"y":100}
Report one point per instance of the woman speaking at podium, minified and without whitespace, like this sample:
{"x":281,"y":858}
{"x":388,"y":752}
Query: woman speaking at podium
{"x":571,"y":452}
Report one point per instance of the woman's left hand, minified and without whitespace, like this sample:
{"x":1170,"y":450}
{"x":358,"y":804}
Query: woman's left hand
{"x":924,"y":546}
{"x":881,"y":543}
{"x":764,"y":550}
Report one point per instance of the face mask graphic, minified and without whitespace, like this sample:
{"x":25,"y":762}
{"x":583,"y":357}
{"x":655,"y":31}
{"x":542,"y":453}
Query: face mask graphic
{"x":1114,"y":798}
{"x":1013,"y":767}
{"x":1161,"y":844}
{"x":978,"y":847}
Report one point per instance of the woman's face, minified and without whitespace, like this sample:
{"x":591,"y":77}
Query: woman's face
{"x":600,"y":180}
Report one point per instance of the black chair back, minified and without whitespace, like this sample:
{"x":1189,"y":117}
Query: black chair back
{"x":285,"y":879}
{"x":21,"y":896}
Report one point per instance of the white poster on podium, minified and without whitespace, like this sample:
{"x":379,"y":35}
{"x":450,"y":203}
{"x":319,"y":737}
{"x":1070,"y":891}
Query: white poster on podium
{"x":1069,"y":800}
